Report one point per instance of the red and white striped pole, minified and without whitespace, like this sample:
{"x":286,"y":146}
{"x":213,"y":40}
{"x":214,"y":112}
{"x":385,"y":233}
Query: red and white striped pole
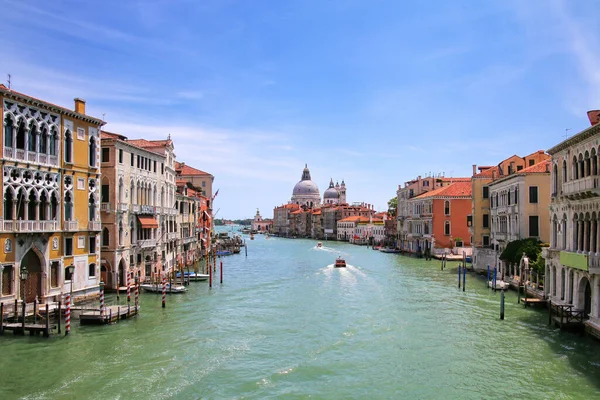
{"x":129,"y":287}
{"x":101,"y":298}
{"x":67,"y":314}
{"x":164,"y":292}
{"x":137,"y":293}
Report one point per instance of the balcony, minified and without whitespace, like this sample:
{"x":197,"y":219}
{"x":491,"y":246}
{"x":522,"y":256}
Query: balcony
{"x":105,"y":207}
{"x":94,"y":226}
{"x":594,"y":263}
{"x":172,"y":236}
{"x":549,"y":253}
{"x":28,"y":226}
{"x":70,"y":226}
{"x":500,"y":236}
{"x":147,"y":243}
{"x":189,"y":239}
{"x":30,"y":156}
{"x":146,"y":209}
{"x":501,"y":209}
{"x":134,"y":208}
{"x":123,"y":207}
{"x":581,"y":188}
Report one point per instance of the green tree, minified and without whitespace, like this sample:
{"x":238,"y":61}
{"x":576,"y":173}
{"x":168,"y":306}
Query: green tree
{"x":531,"y":247}
{"x":393,"y":205}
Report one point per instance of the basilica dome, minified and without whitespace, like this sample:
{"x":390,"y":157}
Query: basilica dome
{"x":331,"y":192}
{"x":305,"y":187}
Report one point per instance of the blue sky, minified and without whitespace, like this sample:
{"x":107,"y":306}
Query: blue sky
{"x":373,"y":92}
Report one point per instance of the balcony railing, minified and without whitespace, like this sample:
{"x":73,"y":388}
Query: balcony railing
{"x":71,"y":226}
{"x":29,"y":226}
{"x":94,"y":225}
{"x":134,"y":208}
{"x":146,"y":209}
{"x":594,"y":263}
{"x":581,"y":186}
{"x":30,"y":156}
{"x":123,"y":207}
{"x":189,"y":239}
{"x":144,"y":244}
{"x":105,"y":207}
{"x":172,"y":235}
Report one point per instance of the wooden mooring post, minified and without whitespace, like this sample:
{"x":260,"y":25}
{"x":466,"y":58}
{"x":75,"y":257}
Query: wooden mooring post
{"x":459,"y":276}
{"x":502,"y":304}
{"x":1,"y":318}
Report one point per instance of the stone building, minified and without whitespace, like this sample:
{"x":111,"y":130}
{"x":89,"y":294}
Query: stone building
{"x":138,"y":214}
{"x":519,"y":206}
{"x":573,"y":258}
{"x":261,"y":225}
{"x":187,"y":203}
{"x":51,"y":205}
{"x":484,"y":252}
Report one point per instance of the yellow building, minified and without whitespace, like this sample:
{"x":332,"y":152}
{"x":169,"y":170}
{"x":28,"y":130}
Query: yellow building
{"x":480,"y":221}
{"x":50,"y":210}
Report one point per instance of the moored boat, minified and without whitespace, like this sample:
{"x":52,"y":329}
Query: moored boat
{"x":193,"y":276}
{"x":388,"y":250}
{"x":340,"y":263}
{"x":157,"y":288}
{"x":319,"y":245}
{"x":500,"y":285}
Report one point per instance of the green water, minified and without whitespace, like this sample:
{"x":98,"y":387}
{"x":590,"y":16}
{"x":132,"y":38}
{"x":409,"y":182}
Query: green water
{"x":285,"y":324}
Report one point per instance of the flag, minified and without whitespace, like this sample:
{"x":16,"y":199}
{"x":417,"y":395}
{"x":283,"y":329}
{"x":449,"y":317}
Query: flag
{"x":216,"y":193}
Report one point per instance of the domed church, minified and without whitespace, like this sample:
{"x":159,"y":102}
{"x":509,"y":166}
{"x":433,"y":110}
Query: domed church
{"x":335,"y":194}
{"x":306,"y":192}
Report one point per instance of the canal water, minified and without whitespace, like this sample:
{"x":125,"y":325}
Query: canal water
{"x":286,"y":324}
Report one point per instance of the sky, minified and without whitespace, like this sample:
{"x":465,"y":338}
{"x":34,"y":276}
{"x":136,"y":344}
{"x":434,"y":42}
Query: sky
{"x":374,"y":92}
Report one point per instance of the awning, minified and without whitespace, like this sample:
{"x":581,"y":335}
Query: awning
{"x":206,"y":216}
{"x":147,"y":221}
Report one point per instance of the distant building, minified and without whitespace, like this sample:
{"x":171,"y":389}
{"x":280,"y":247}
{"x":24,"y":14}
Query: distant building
{"x":306,"y":192}
{"x":261,"y":225}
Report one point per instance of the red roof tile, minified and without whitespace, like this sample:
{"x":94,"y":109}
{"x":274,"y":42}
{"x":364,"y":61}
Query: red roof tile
{"x":539,"y":168}
{"x":185,"y":170}
{"x":487,"y":173}
{"x":458,"y":189}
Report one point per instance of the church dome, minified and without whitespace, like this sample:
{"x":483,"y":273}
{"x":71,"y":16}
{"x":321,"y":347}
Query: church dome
{"x":331,"y":192}
{"x":305,"y":187}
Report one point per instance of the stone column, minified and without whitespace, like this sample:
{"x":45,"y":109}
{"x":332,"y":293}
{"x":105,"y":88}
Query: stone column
{"x":14,"y":210}
{"x":586,"y":236}
{"x":37,"y":210}
{"x":26,"y":210}
{"x":580,"y":236}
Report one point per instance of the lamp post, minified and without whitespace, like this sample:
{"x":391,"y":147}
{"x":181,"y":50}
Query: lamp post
{"x":24,"y":274}
{"x":71,"y":270}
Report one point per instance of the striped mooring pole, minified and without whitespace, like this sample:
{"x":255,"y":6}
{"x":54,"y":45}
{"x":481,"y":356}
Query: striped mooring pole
{"x":164,"y":291}
{"x":101,"y":298}
{"x":128,"y":287}
{"x":67,"y":314}
{"x":137,"y":293}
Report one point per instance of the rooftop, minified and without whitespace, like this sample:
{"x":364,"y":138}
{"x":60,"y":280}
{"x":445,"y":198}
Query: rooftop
{"x":457,"y":189}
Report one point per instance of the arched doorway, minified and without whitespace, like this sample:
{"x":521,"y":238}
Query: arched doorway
{"x":104,"y":275}
{"x":122,"y":277}
{"x":32,"y":286}
{"x":585,"y":296}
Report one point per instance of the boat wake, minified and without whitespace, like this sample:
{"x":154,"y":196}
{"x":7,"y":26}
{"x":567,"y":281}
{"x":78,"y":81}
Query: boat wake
{"x":326,"y":249}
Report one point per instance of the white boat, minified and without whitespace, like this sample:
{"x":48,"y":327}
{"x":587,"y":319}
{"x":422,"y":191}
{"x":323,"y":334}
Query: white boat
{"x":500,"y":285}
{"x":319,"y":244}
{"x":157,"y":288}
{"x":194,"y":276}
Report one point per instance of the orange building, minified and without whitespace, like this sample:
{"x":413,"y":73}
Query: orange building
{"x":439,"y":218}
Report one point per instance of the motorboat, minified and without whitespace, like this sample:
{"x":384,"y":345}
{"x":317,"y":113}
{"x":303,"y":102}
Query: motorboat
{"x":193,"y":276}
{"x":224,"y":252}
{"x":388,"y":250}
{"x":251,"y":236}
{"x":340,"y":263}
{"x":319,"y":245}
{"x":158,"y":288}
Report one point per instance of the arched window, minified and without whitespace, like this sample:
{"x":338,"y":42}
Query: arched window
{"x":8,"y":132}
{"x":53,"y":206}
{"x":43,"y":147}
{"x":120,"y":233}
{"x":594,"y":162}
{"x":68,"y":147}
{"x":105,"y":237}
{"x":43,"y":207}
{"x":564,"y":171}
{"x":447,"y":207}
{"x":8,"y":204}
{"x":564,"y":232}
{"x":92,"y":152}
{"x":562,"y":283}
{"x":68,"y":275}
{"x":53,"y":142}
{"x":92,"y":270}
{"x":92,"y":208}
{"x":447,"y":228}
{"x":68,"y":207}
{"x":575,"y":168}
{"x":32,"y":137}
{"x":21,"y":134}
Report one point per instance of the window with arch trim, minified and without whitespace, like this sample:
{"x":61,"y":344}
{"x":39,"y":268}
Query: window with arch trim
{"x":68,"y":147}
{"x":92,"y":270}
{"x":447,"y":228}
{"x":447,"y":207}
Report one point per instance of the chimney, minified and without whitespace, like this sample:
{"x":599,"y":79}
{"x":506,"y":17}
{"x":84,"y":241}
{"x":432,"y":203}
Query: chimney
{"x":474,"y":169}
{"x":79,"y":105}
{"x":594,"y":116}
{"x":547,"y":167}
{"x":493,"y":175}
